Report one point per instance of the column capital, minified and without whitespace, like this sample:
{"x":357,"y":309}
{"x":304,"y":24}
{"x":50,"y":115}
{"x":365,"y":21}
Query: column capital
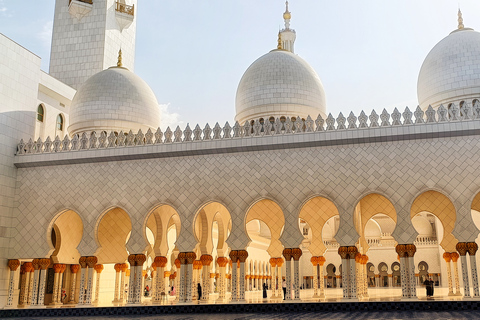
{"x":124,"y":267}
{"x":64,"y":267}
{"x":242,"y":255}
{"x":140,"y":259}
{"x":321,"y":260}
{"x":222,"y":262}
{"x":83,"y":262}
{"x":206,"y":259}
{"x":233,"y":255}
{"x":358,"y":257}
{"x":91,"y":261}
{"x":177,"y":263}
{"x":411,"y":249}
{"x":343,"y":252}
{"x":472,"y":248}
{"x":117,"y":267}
{"x":161,"y":261}
{"x":190,"y":257}
{"x":352,"y":252}
{"x":166,"y":274}
{"x":36,"y":264}
{"x":13,"y":264}
{"x":197,"y":264}
{"x":57,"y":267}
{"x":28,"y":267}
{"x":131,"y":260}
{"x":98,"y":268}
{"x":462,"y":248}
{"x":74,"y":268}
{"x":447,"y":256}
{"x":296,"y":253}
{"x":273,"y":262}
{"x":279,"y":262}
{"x":401,"y":250}
{"x":44,"y":263}
{"x":454,"y":256}
{"x":364,"y":259}
{"x":314,"y":261}
{"x":287,"y":253}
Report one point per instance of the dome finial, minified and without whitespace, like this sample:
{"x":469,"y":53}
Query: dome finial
{"x":287,"y":16}
{"x":119,"y":63}
{"x":460,"y":20}
{"x":279,"y":44}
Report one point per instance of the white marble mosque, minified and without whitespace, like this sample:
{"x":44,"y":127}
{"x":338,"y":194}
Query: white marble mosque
{"x":98,"y":201}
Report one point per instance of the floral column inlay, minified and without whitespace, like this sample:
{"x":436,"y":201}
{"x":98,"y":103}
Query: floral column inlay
{"x":472,"y":248}
{"x":401,"y":250}
{"x":242,"y":257}
{"x":178,"y":279}
{"x":34,"y":280}
{"x":462,"y":249}
{"x":352,"y":283}
{"x":160,"y":263}
{"x":411,"y":249}
{"x":455,"y":257}
{"x":13,"y":266}
{"x":139,"y":261}
{"x":343,"y":252}
{"x":98,"y":268}
{"x":44,"y":264}
{"x":222,"y":288}
{"x":206,"y":261}
{"x":74,"y":268}
{"x":287,"y":253}
{"x":118,"y":271}
{"x":296,"y":254}
{"x":57,"y":268}
{"x":365,"y":283}
{"x":29,"y":283}
{"x":91,"y":262}
{"x":233,"y":256}
{"x":279,"y":278}
{"x":83,"y":274}
{"x":447,"y":256}
{"x":190,"y":257}
{"x":314,"y":261}
{"x":131,"y":283}
{"x":123,"y":274}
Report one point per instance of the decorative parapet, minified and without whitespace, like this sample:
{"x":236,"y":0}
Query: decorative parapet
{"x":110,"y":140}
{"x":124,"y":8}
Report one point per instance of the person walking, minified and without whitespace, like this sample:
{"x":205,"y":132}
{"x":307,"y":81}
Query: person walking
{"x":284,"y":287}
{"x":199,"y":291}
{"x":264,"y":290}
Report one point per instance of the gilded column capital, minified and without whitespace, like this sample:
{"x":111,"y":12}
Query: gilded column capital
{"x":117,"y":267}
{"x":472,"y":248}
{"x":364,"y":259}
{"x":182,"y":256}
{"x":314,"y":261}
{"x":124,"y":267}
{"x":13,"y":264}
{"x":358,"y":257}
{"x":177,"y":263}
{"x":401,"y":250}
{"x":28,"y":267}
{"x":222,"y":262}
{"x":98,"y":268}
{"x":206,"y":259}
{"x":279,"y":262}
{"x":197,"y":264}
{"x":44,"y":264}
{"x":296,"y":253}
{"x":462,"y":248}
{"x":161,"y":261}
{"x":127,"y":272}
{"x":287,"y":253}
{"x":36,"y":264}
{"x":454,"y":256}
{"x":140,"y":259}
{"x":447,"y":256}
{"x":57,"y":267}
{"x":233,"y":255}
{"x":411,"y":249}
{"x":352,"y":252}
{"x":91,"y":261}
{"x":64,"y":267}
{"x":83,"y":262}
{"x":190,"y":256}
{"x":343,"y":252}
{"x":74,"y":268}
{"x":166,"y":274}
{"x":321,"y":260}
{"x":131,"y":260}
{"x":273,"y":262}
{"x":242,"y":255}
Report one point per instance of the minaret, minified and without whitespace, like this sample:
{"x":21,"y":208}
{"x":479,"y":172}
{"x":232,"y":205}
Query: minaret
{"x":288,"y":35}
{"x":87,"y":35}
{"x":460,"y":20}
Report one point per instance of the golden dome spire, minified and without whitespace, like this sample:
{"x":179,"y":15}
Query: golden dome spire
{"x":460,"y":20}
{"x":279,"y":45}
{"x":287,"y":15}
{"x":119,"y":63}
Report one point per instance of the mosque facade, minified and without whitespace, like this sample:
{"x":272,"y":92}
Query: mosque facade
{"x":98,"y":202}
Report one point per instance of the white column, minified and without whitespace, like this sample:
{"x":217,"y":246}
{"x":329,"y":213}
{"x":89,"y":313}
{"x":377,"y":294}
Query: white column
{"x":30,"y":285}
{"x":55,"y":288}
{"x":413,"y":282}
{"x":131,"y":285}
{"x":345,"y":277}
{"x":221,"y":284}
{"x":296,"y":274}
{"x":99,"y":270}
{"x":234,"y":282}
{"x":473,"y":267}
{"x":352,"y":283}
{"x":288,"y":279}
{"x":315,"y":277}
{"x":404,"y":278}
{"x":88,"y":298}
{"x":457,"y":278}
{"x":138,"y":283}
{"x":322,"y":281}
{"x":449,"y":275}
{"x":83,"y":275}
{"x":34,"y":300}
{"x":188,"y":283}
{"x":206,"y":283}
{"x":118,"y":271}
{"x":242,"y":281}
{"x":466,"y":285}
{"x":13,"y":266}
{"x":121,"y":297}
{"x":74,"y":269}
{"x":41,"y":285}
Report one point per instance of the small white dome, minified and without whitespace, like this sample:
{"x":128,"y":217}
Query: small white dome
{"x":450,"y":72}
{"x":114,"y":100}
{"x":277,"y":84}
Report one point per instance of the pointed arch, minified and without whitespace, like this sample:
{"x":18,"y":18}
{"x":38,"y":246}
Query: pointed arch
{"x":64,"y":234}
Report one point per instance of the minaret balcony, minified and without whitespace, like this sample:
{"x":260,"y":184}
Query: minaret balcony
{"x":80,"y":8}
{"x":124,"y":14}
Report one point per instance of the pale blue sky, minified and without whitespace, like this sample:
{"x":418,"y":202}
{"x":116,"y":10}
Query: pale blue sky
{"x":193,"y":53}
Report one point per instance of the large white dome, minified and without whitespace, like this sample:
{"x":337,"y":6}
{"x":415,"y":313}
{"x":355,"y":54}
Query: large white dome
{"x":114,"y":100}
{"x":451,"y":71}
{"x":278,"y":84}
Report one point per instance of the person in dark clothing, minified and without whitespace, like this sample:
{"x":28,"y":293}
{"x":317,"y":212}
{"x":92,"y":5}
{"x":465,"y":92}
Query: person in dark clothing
{"x":264,"y":290}
{"x":284,"y":287}
{"x":199,"y":291}
{"x":429,"y":287}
